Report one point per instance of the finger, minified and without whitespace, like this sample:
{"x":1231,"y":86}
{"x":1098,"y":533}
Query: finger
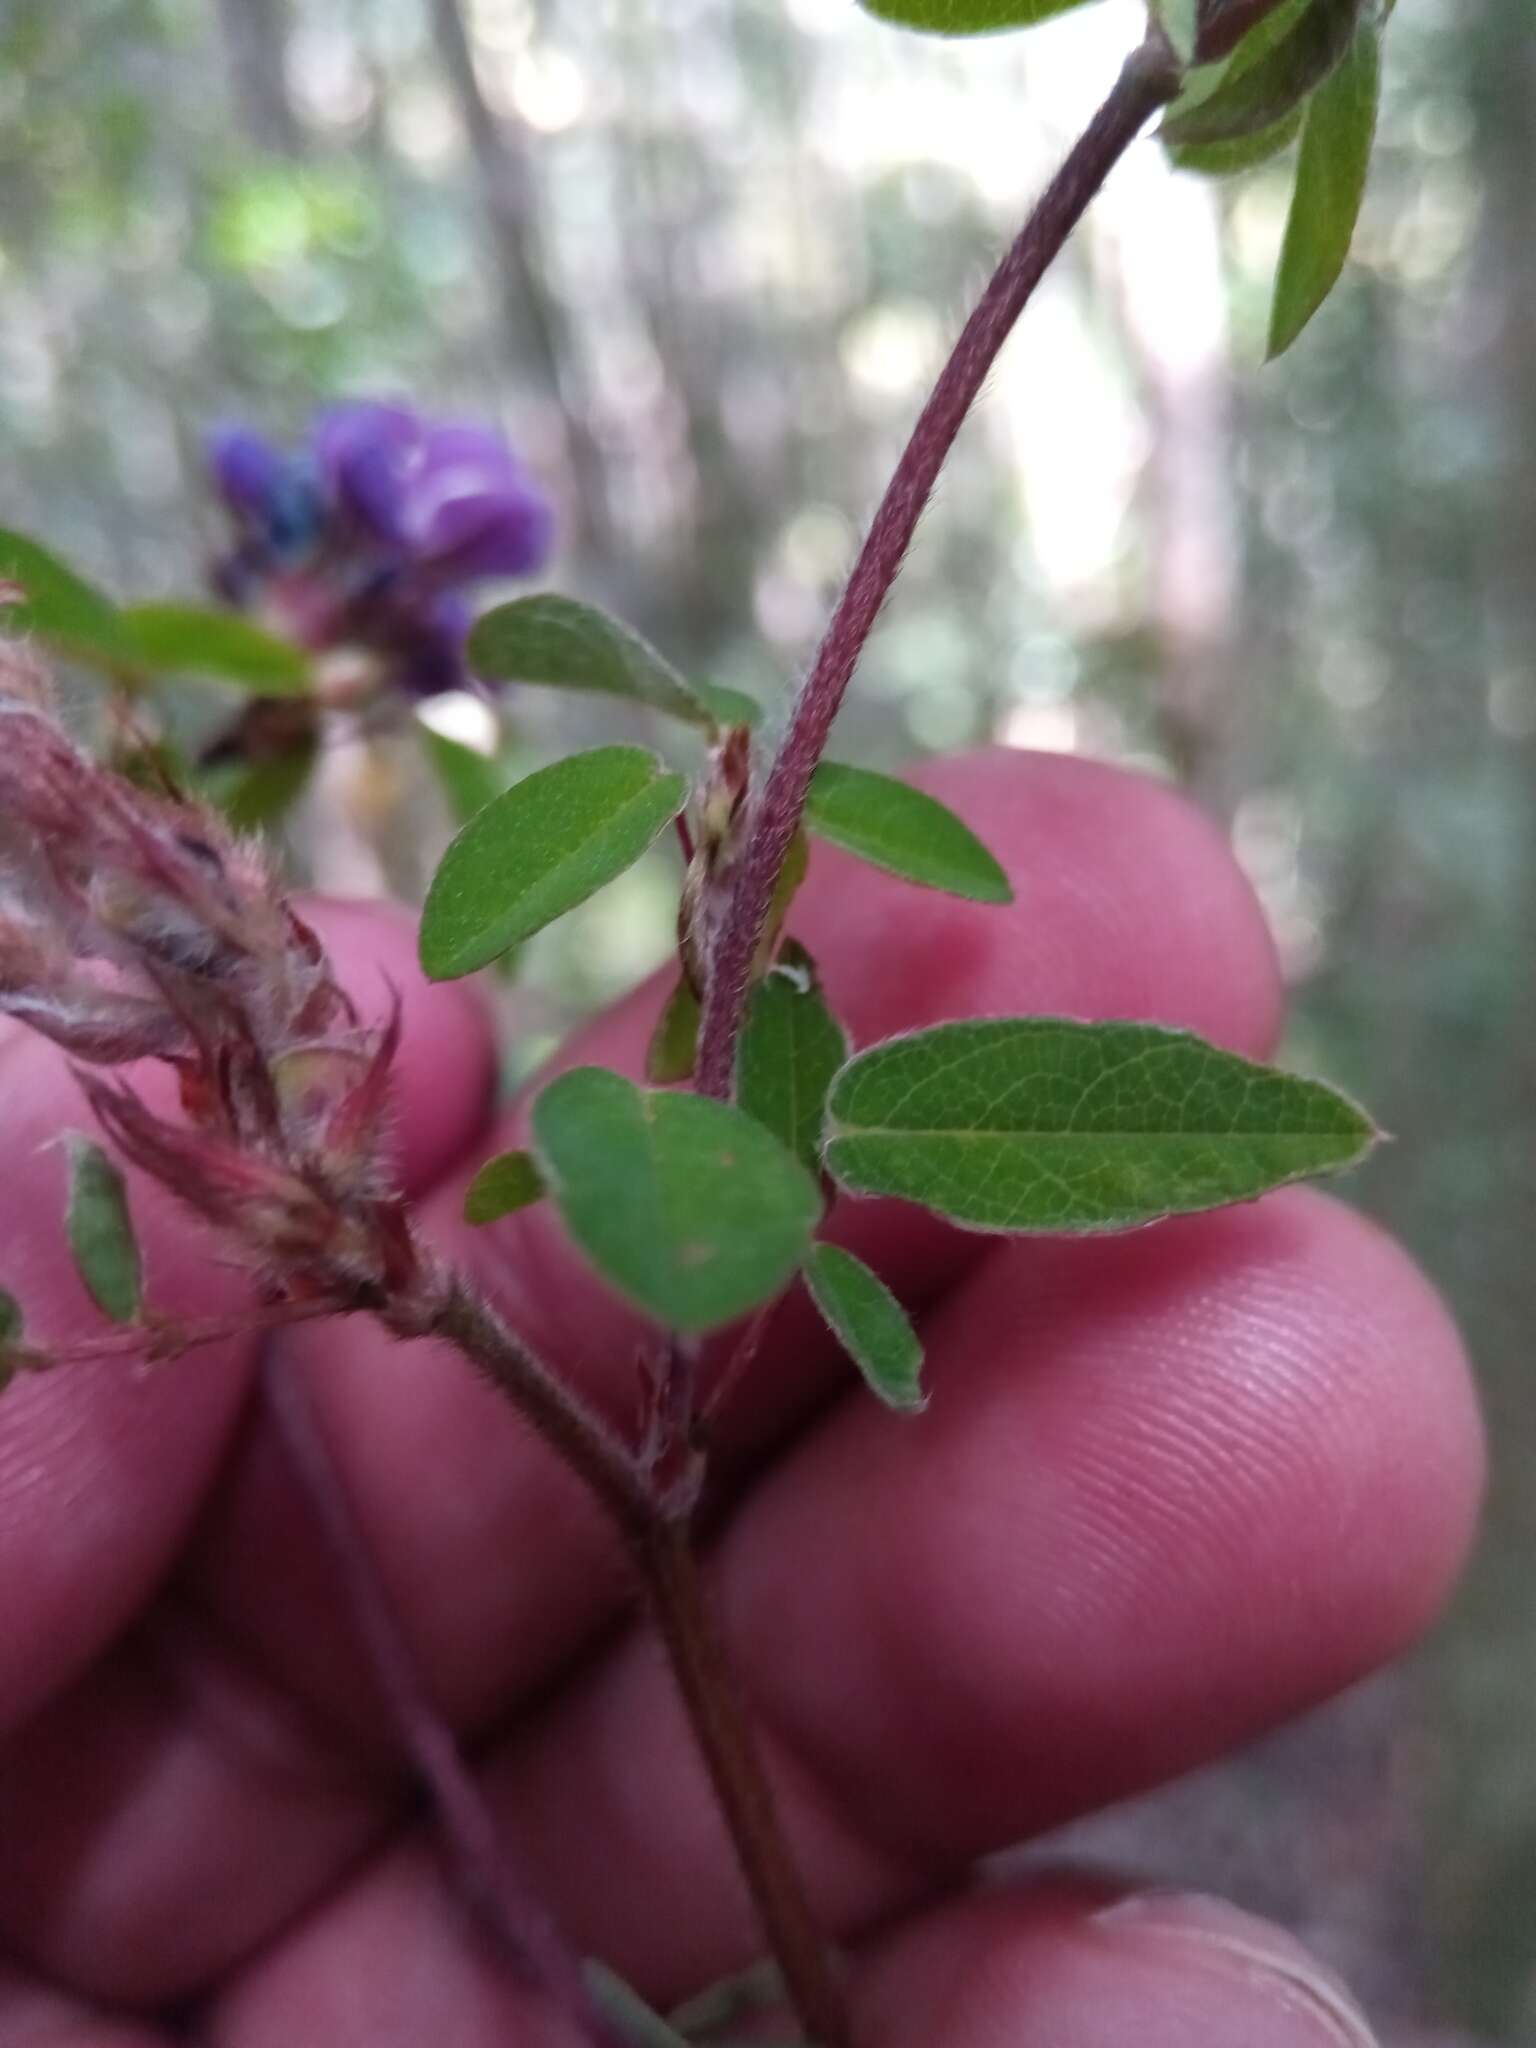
{"x":1085,"y":1971}
{"x":495,"y":1561}
{"x":102,"y":1466}
{"x":33,"y":2016}
{"x":1129,"y":904}
{"x":1172,"y":1488}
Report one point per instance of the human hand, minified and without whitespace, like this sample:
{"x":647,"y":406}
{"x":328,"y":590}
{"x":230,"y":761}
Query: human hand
{"x":1171,"y":1488}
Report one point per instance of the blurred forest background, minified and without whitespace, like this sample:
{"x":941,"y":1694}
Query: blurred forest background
{"x":700,"y":257}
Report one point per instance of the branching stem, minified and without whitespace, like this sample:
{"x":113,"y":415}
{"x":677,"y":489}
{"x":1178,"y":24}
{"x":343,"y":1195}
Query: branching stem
{"x":1149,"y":79}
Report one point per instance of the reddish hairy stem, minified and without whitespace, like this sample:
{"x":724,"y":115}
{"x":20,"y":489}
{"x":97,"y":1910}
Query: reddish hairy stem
{"x":1149,"y":79}
{"x":724,"y":1733}
{"x":577,"y":1433}
{"x":661,"y":1544}
{"x":501,"y":1901}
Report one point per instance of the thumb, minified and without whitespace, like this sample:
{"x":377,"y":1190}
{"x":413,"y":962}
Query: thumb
{"x":1165,"y":1970}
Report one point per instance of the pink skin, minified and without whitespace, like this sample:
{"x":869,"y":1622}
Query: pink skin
{"x":1171,"y":1488}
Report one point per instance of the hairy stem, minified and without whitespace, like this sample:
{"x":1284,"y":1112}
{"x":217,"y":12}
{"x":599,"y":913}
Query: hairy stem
{"x":1150,"y":79}
{"x":724,"y":1734}
{"x":501,"y":1901}
{"x":572,"y":1429}
{"x":660,"y":1542}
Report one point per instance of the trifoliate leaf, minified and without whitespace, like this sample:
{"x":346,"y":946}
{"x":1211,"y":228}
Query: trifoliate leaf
{"x":1041,"y":1124}
{"x":59,"y":606}
{"x":870,"y":1324}
{"x":100,"y":1231}
{"x":903,"y":830}
{"x":1330,"y":185}
{"x":556,"y":641}
{"x":510,"y":1181}
{"x":790,"y":1048}
{"x":688,"y":1207}
{"x":539,"y":849}
{"x":188,"y":640}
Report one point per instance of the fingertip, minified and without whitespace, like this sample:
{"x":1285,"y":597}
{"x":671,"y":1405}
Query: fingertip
{"x":445,"y":1070}
{"x":1085,"y":1971}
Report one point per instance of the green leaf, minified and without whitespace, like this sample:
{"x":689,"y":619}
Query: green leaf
{"x":12,"y":1321}
{"x":1039,"y":1124}
{"x":1255,"y":92}
{"x":100,"y":1231}
{"x":967,"y":17}
{"x":904,"y":831}
{"x":556,"y":641}
{"x":1205,"y":79}
{"x":257,"y":795}
{"x":870,"y":1324}
{"x":59,"y":606}
{"x":510,"y":1181}
{"x":688,"y":1207}
{"x":728,"y":707}
{"x":1245,"y":153}
{"x":675,"y":1041}
{"x":790,"y":1048}
{"x":1330,"y":185}
{"x":1180,"y":23}
{"x":186,"y":639}
{"x":468,"y":778}
{"x":628,"y":2010}
{"x":539,"y":849}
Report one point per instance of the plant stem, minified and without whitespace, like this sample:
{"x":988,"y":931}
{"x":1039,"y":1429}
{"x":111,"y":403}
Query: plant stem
{"x":724,"y":1734}
{"x":572,"y":1429}
{"x":1149,"y":79}
{"x":661,"y":1544}
{"x":497,"y":1895}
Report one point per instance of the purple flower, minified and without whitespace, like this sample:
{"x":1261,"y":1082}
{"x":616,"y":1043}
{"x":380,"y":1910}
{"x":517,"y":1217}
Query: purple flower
{"x":365,"y":538}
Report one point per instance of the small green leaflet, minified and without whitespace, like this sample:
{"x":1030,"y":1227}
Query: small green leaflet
{"x":571,"y":646}
{"x":59,"y":606}
{"x":728,"y":707}
{"x":870,"y":1324}
{"x":688,"y":1207}
{"x":12,"y":1322}
{"x":1042,"y":1124}
{"x":967,"y":17}
{"x":1246,"y":153}
{"x":1254,"y":95}
{"x":185,"y":639}
{"x":1330,"y":185}
{"x":100,"y":1231}
{"x":510,"y":1181}
{"x":258,"y":795}
{"x":790,"y":1048}
{"x":539,"y":849}
{"x":675,"y":1041}
{"x":904,"y":831}
{"x":467,"y":778}
{"x":1180,"y":22}
{"x":628,"y":2011}
{"x":1255,"y":43}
